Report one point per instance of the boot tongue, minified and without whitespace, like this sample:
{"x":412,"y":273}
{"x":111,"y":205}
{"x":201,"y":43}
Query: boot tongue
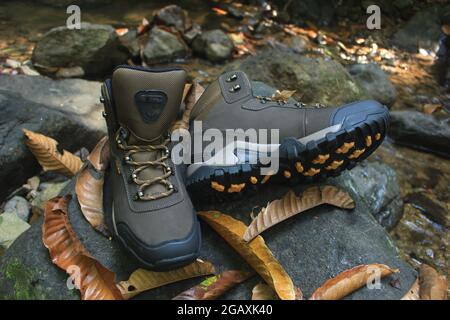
{"x":147,"y":102}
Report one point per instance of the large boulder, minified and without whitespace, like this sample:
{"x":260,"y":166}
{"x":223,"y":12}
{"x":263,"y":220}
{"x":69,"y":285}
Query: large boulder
{"x":77,"y":98}
{"x":377,"y":186}
{"x":214,"y":45}
{"x":423,"y":30}
{"x":16,"y":113}
{"x":421,"y":131}
{"x":316,"y":80}
{"x":375,"y":81}
{"x":312,"y":247}
{"x":95,"y":48}
{"x":163,"y":46}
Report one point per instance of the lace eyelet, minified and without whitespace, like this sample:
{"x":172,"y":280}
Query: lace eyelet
{"x":231,"y":78}
{"x":235,"y":88}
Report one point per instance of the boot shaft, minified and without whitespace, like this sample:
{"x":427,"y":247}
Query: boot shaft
{"x":144,"y":102}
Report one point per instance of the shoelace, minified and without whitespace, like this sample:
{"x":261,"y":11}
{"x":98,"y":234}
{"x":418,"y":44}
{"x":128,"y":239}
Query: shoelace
{"x":263,"y":100}
{"x":139,"y":166}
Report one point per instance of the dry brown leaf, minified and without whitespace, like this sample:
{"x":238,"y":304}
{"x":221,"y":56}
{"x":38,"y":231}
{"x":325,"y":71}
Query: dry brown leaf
{"x":290,"y":205}
{"x":263,"y":292}
{"x":431,"y":108}
{"x":195,"y":91}
{"x":89,"y":190}
{"x":432,"y":286}
{"x":143,"y":280}
{"x":413,"y":293}
{"x":46,"y":152}
{"x":256,"y":253}
{"x":99,"y":156}
{"x":350,"y":280}
{"x":215,"y":286}
{"x":94,"y":281}
{"x":283,"y":95}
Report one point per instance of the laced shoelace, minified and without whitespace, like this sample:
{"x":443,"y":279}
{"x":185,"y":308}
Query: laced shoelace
{"x":263,"y":100}
{"x":139,"y":166}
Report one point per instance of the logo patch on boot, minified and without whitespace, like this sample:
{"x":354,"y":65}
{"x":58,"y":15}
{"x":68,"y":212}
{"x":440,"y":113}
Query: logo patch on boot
{"x":150,"y":104}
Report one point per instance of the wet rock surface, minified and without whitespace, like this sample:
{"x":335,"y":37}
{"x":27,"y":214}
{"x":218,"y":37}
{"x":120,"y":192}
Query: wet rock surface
{"x":375,"y":81}
{"x":17,"y":113}
{"x":312,"y":247}
{"x":316,"y":80}
{"x":94,"y":48}
{"x":421,"y":131}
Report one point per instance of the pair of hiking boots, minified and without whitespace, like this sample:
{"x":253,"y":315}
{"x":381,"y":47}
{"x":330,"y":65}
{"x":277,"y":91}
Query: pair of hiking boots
{"x":152,"y":213}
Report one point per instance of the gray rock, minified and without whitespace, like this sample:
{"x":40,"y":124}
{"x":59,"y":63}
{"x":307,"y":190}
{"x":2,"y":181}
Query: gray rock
{"x":95,"y":48}
{"x":163,"y":46}
{"x":375,"y":81}
{"x":77,"y":98}
{"x":312,"y":247}
{"x":214,"y":45}
{"x":320,"y":11}
{"x":423,"y":30}
{"x":11,"y":227}
{"x":73,"y":72}
{"x":316,"y":80}
{"x":47,"y":190}
{"x":421,"y":131}
{"x":174,"y":16}
{"x":377,"y":186}
{"x":16,"y":113}
{"x":18,"y":206}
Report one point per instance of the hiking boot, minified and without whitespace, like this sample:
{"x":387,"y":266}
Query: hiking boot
{"x":314,"y":141}
{"x":152,"y":214}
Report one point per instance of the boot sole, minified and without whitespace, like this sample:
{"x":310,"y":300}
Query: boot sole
{"x":299,"y":163}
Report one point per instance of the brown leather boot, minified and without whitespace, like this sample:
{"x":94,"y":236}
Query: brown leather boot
{"x":152,"y":213}
{"x":314,"y":142}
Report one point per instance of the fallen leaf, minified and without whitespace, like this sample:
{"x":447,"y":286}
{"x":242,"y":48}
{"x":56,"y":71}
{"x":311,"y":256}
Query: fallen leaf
{"x":89,"y":190}
{"x":46,"y":152}
{"x":432,"y":286}
{"x":94,"y":281}
{"x":263,"y":292}
{"x":431,"y":108}
{"x":256,"y":253}
{"x":413,"y":293}
{"x":351,"y":280}
{"x":143,"y":27}
{"x":290,"y":205}
{"x":219,"y":11}
{"x":99,"y":156}
{"x":121,"y":31}
{"x":143,"y":280}
{"x":192,"y":96}
{"x":215,"y":286}
{"x":283,"y":95}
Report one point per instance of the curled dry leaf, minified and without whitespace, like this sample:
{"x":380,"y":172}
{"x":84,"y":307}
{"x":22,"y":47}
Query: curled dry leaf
{"x":432,"y":286}
{"x":94,"y":281}
{"x":89,"y":186}
{"x":89,"y":190}
{"x":99,"y":157}
{"x":263,"y":292}
{"x":215,"y":286}
{"x":192,"y":96}
{"x":413,"y":292}
{"x":46,"y":152}
{"x":290,"y":205}
{"x":143,"y":280}
{"x":351,"y":280}
{"x":283,"y":95}
{"x":256,"y":253}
